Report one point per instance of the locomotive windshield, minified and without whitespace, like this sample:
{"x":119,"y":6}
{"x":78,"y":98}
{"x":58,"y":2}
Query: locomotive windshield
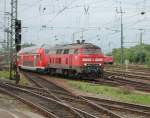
{"x":92,"y":51}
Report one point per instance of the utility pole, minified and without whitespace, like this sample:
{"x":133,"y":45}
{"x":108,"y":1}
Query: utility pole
{"x":109,"y":45}
{"x":82,"y":34}
{"x":8,"y":34}
{"x":15,"y":39}
{"x":7,"y":30}
{"x":141,"y":44}
{"x":122,"y":42}
{"x":4,"y":20}
{"x":73,"y":37}
{"x":141,"y":38}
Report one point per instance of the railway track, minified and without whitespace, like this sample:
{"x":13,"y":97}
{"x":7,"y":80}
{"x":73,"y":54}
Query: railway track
{"x":133,"y":67}
{"x":79,"y":103}
{"x":46,"y":106}
{"x":133,"y":70}
{"x":140,"y":110}
{"x":135,"y":77}
{"x":124,"y":81}
{"x":119,"y":106}
{"x":118,"y":81}
{"x":138,"y":76}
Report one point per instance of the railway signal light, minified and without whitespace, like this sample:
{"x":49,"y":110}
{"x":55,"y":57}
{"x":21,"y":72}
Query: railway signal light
{"x":18,"y":35}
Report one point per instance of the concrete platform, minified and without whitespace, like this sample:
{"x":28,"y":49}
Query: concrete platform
{"x":17,"y":114}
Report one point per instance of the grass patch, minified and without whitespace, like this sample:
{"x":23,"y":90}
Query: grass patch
{"x":24,"y":81}
{"x":121,"y":94}
{"x":4,"y":74}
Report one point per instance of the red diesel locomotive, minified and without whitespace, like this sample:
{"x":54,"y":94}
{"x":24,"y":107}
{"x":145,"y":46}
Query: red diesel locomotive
{"x":82,"y":60}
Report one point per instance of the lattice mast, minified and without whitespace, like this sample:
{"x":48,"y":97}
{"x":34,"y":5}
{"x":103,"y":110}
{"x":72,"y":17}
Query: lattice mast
{"x":13,"y":51}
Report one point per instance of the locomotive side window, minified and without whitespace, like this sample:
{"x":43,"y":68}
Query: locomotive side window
{"x":59,"y":51}
{"x":92,"y":51}
{"x":66,"y":51}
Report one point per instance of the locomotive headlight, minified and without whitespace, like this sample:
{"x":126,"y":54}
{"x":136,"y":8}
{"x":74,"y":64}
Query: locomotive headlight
{"x":86,"y":59}
{"x":85,"y":64}
{"x":98,"y":59}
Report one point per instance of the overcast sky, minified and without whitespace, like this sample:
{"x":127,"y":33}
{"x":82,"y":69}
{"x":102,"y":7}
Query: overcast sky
{"x":55,"y":21}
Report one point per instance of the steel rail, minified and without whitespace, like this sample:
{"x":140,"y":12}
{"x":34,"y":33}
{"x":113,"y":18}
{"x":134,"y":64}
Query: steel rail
{"x":135,"y":84}
{"x":46,"y":93}
{"x":41,"y":110}
{"x":87,"y":103}
{"x":19,"y":92}
{"x":111,"y":104}
{"x":131,"y":74}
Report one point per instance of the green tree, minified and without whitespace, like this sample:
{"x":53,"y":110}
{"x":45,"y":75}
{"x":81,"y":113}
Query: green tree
{"x":139,"y":54}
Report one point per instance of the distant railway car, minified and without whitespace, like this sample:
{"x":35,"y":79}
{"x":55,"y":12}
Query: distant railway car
{"x":108,"y":59}
{"x":33,"y":58}
{"x":82,"y":60}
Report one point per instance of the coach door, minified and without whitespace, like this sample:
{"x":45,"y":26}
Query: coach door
{"x":34,"y":63}
{"x":70,"y":60}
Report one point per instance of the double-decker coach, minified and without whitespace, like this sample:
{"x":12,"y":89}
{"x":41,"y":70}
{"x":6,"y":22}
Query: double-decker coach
{"x":33,"y":58}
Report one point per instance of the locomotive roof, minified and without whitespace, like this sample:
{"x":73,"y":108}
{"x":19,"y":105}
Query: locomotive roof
{"x":76,"y":45}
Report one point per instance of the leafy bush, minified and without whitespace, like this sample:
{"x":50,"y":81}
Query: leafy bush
{"x":139,"y":54}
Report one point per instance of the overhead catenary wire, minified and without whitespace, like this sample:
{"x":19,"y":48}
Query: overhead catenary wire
{"x":61,"y":11}
{"x":129,"y":20}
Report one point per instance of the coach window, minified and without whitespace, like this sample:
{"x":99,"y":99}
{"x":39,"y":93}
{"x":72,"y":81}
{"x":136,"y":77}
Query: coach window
{"x":52,"y":51}
{"x":66,"y":51}
{"x":46,"y":51}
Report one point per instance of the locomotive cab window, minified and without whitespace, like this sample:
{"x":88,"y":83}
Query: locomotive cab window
{"x":66,"y":51}
{"x":92,"y":51}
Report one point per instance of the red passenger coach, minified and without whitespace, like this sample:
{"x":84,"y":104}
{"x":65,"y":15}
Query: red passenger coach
{"x":108,"y":60}
{"x":33,"y":58}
